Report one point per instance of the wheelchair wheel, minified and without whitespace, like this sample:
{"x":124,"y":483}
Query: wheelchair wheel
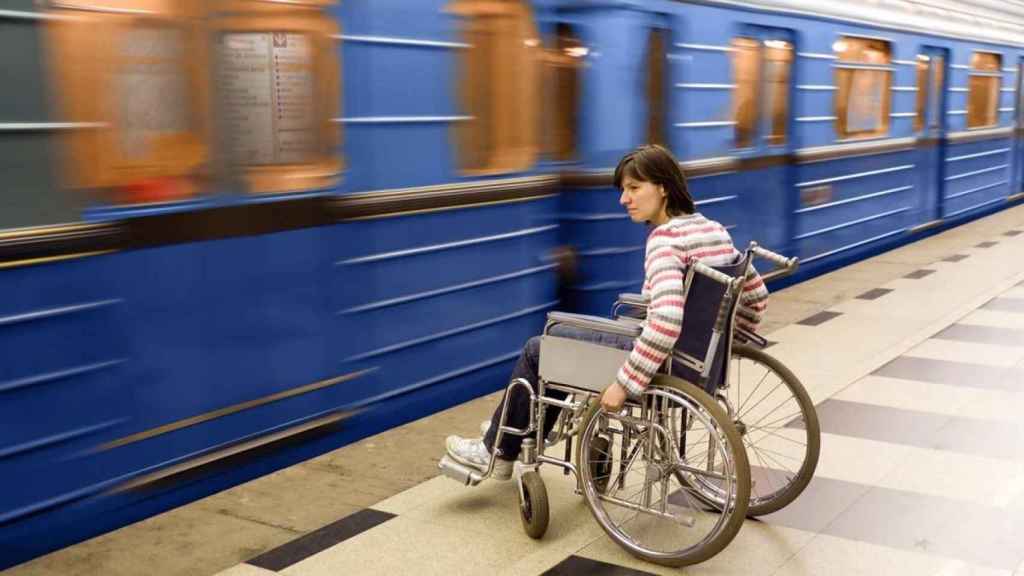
{"x":776,"y":418}
{"x":676,"y":438}
{"x":533,"y":505}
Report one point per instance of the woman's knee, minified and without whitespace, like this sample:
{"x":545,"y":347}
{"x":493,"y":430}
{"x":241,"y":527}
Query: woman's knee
{"x":532,"y":347}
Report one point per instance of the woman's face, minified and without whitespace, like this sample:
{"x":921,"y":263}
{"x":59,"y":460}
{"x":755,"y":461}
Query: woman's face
{"x":644,"y":201}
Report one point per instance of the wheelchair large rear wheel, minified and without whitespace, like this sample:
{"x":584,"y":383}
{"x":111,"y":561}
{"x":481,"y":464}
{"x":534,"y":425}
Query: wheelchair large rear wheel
{"x":779,"y":425}
{"x":655,"y":453}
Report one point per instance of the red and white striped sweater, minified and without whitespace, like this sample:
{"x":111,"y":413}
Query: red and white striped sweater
{"x":669,"y":247}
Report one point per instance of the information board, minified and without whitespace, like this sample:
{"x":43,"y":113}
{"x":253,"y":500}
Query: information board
{"x":267,"y":83}
{"x":152,"y":98}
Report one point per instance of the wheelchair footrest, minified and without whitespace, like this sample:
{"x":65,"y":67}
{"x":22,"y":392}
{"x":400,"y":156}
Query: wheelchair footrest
{"x":459,"y":472}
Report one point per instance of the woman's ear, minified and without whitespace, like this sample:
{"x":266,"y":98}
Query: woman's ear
{"x":661,"y":188}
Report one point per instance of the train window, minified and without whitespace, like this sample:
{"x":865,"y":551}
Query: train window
{"x":863,"y":78}
{"x":778,"y":62}
{"x":132,"y":68}
{"x":937,"y":88}
{"x":746,"y":76}
{"x":761,"y":99}
{"x":983,"y":90}
{"x":563,"y":65}
{"x":278,"y":94}
{"x":28,"y":196}
{"x":923,"y":89}
{"x":656,"y":91}
{"x":498,"y":86}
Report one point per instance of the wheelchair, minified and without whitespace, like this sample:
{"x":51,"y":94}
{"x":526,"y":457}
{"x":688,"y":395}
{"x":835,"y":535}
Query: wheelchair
{"x":668,"y":478}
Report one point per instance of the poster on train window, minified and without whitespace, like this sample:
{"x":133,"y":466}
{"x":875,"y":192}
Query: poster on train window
{"x":151,"y":88}
{"x":267,"y":82}
{"x":864,"y":112}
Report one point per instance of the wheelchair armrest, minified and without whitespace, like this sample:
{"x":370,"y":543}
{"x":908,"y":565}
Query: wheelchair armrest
{"x":631,"y":321}
{"x":634,"y":299}
{"x":596,"y":323}
{"x":630,"y":305}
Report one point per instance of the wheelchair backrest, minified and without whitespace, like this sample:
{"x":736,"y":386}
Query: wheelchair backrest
{"x":705,"y":300}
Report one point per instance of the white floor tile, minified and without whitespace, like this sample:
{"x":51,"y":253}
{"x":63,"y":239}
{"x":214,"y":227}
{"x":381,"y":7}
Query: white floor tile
{"x":969,"y":352}
{"x":840,"y":557}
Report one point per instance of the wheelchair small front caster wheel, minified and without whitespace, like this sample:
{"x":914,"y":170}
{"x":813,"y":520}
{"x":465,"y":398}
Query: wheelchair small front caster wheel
{"x":533,"y":505}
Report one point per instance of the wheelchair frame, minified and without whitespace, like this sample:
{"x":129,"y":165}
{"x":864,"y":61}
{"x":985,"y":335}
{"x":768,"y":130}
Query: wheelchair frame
{"x":583,"y":389}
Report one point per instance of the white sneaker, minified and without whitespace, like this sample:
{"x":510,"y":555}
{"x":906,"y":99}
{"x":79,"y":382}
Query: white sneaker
{"x":472,"y":452}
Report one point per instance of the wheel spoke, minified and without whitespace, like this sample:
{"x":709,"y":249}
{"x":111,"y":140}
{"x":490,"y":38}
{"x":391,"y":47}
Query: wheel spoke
{"x":629,"y":462}
{"x":781,"y":404}
{"x":777,"y":435}
{"x":777,"y":420}
{"x":764,"y":465}
{"x":780,"y":454}
{"x":756,"y":388}
{"x":767,"y":455}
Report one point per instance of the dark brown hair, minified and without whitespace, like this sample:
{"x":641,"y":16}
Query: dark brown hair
{"x":653,"y":163}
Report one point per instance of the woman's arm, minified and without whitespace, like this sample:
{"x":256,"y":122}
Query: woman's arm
{"x":753,"y":302}
{"x":664,"y":275}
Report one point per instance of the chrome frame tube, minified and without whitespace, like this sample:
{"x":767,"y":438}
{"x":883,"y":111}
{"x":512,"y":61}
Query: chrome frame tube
{"x":502,"y":429}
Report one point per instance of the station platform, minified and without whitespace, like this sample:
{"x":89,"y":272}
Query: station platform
{"x":915,"y":359}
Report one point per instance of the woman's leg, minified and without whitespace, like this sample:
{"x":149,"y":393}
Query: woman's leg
{"x":527,"y":367}
{"x":518,"y":403}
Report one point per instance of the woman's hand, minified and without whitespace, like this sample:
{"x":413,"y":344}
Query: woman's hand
{"x":613,"y":397}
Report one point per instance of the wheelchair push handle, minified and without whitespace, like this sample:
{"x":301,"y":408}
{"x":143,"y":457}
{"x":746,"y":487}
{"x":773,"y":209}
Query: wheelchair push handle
{"x":705,"y":270}
{"x":784,"y":266}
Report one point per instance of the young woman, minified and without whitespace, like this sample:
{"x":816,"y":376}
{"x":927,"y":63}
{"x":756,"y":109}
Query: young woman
{"x":654,"y":192}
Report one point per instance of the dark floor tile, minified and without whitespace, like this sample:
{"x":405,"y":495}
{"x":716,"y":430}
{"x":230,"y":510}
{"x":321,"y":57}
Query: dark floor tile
{"x":319,"y":540}
{"x":1012,"y":233}
{"x":982,"y":334}
{"x":1004,"y":304}
{"x":918,"y":274}
{"x":819,"y":505}
{"x":955,"y":258}
{"x":880,"y":423}
{"x":574,"y":565}
{"x":945,"y":372}
{"x":911,"y":521}
{"x":874,"y":294}
{"x":819,"y":318}
{"x":987,"y":244}
{"x":993,"y":439}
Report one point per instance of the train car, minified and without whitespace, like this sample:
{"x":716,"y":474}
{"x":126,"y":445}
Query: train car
{"x":826,"y":130}
{"x":239,"y":233}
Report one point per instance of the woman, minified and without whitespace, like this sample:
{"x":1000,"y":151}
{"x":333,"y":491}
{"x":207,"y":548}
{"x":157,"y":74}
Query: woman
{"x":654,"y":192}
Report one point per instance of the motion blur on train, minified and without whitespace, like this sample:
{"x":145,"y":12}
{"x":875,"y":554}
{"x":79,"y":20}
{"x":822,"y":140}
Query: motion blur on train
{"x":235,"y":234}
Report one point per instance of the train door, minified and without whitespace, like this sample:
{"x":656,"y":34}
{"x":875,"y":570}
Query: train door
{"x":763,"y":96}
{"x":1018,"y":164}
{"x":931,"y":128}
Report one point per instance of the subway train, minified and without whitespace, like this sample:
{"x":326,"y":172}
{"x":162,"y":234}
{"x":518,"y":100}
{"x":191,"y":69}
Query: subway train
{"x":235,"y":234}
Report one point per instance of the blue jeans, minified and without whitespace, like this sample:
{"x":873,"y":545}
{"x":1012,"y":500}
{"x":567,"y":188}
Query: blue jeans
{"x":527,"y":367}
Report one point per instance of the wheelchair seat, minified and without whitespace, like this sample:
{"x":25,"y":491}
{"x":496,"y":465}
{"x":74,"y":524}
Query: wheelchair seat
{"x":591,"y":367}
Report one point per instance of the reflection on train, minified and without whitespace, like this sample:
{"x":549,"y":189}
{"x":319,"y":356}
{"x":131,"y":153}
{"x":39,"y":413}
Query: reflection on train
{"x":238,"y":233}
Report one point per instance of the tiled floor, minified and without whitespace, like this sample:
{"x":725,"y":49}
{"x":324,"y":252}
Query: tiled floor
{"x":915,"y":360}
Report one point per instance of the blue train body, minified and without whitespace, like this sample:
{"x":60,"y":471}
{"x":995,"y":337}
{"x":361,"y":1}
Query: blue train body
{"x":129,"y":373}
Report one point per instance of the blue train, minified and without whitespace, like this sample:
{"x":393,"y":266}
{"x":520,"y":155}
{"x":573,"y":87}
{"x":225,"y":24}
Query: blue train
{"x":238,"y":233}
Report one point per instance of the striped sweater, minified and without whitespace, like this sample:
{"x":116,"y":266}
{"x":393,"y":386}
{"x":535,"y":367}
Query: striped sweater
{"x":669,"y":246}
